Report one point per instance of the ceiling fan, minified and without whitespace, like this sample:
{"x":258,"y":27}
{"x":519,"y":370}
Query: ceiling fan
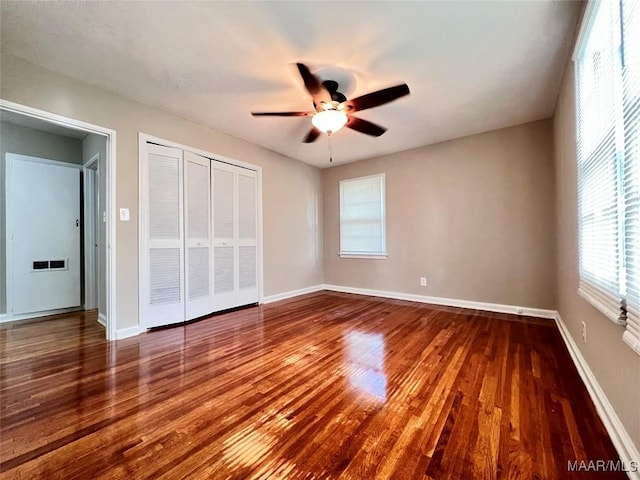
{"x":332,"y":110}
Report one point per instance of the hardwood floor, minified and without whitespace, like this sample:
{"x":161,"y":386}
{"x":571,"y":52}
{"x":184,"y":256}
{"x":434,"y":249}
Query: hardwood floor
{"x":321,"y":386}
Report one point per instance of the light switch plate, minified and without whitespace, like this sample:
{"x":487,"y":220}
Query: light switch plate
{"x":124,"y":214}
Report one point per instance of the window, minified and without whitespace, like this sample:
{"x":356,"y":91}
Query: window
{"x":608,"y":121}
{"x":362,"y":217}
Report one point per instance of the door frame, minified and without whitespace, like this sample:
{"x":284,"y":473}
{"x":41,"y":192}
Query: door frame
{"x":110,"y":206}
{"x":143,"y":138}
{"x":91,"y":186}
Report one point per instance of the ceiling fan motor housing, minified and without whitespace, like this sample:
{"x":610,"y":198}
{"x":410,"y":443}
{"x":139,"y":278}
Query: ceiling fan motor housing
{"x":332,"y":87}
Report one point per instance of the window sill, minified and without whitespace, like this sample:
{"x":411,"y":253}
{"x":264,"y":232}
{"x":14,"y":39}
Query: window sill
{"x":373,"y":256}
{"x":602,"y":302}
{"x":632,"y":341}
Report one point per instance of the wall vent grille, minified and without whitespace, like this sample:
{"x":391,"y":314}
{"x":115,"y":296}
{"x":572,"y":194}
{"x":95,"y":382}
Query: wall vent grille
{"x":49,"y":265}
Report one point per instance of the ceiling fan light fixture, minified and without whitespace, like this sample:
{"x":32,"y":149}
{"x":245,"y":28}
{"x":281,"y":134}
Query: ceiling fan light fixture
{"x":329,"y":120}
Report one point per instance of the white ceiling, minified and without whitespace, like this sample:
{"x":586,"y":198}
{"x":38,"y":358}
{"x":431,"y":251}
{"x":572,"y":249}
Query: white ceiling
{"x":471,"y":66}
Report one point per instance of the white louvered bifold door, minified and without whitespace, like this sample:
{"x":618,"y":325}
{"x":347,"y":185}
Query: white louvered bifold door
{"x":223,"y":195}
{"x":197,"y":183}
{"x":162,"y":241}
{"x":247,"y":236}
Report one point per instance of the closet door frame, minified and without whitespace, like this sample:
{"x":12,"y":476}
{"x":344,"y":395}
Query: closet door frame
{"x":143,"y":138}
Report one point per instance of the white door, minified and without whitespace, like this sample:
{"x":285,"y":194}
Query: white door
{"x":43,"y":234}
{"x":235,"y":236}
{"x":197,"y":235}
{"x":247,"y":236}
{"x":223,"y":198}
{"x":162,"y":239}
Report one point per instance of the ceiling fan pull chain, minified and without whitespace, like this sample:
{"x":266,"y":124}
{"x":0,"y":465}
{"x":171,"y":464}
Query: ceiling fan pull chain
{"x":330,"y":147}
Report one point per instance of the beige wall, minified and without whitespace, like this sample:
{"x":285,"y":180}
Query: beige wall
{"x":34,"y":143}
{"x":614,"y":364}
{"x":473,"y":215}
{"x":291,"y":189}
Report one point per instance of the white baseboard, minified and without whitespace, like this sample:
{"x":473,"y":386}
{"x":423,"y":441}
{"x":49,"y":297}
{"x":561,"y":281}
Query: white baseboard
{"x":621,"y":440}
{"x":129,"y":332}
{"x":102,"y":319}
{"x":449,"y":302}
{"x":8,"y":317}
{"x":292,"y":293}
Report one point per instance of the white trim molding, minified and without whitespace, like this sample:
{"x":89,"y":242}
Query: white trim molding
{"x":585,"y":27}
{"x":605,"y":303}
{"x":449,"y":302}
{"x":102,"y":319}
{"x":631,"y":340}
{"x":619,"y":436}
{"x":90,"y":185}
{"x":122,"y":333}
{"x":380,"y":179}
{"x":292,"y":293}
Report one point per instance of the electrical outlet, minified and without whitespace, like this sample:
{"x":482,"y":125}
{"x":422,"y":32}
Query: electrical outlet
{"x":423,"y":281}
{"x":584,"y":332}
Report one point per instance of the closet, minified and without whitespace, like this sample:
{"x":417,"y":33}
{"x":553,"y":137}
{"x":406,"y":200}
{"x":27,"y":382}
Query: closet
{"x":198,"y":235}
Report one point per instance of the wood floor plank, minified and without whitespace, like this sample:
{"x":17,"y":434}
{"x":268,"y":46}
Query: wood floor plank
{"x":321,"y":386}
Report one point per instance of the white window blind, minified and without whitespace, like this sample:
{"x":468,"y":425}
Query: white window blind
{"x":598,"y":176}
{"x":362,"y":217}
{"x":608,"y":118}
{"x":630,"y":16}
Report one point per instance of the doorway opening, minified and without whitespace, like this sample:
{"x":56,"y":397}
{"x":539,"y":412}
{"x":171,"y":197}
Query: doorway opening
{"x":57,"y":185}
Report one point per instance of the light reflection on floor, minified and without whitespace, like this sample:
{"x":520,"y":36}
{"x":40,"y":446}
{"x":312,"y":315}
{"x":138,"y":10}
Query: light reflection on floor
{"x":365,"y":363}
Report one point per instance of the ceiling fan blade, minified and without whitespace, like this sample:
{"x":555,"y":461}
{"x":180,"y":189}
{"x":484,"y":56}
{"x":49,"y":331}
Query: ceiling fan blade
{"x":312,"y":136}
{"x":313,"y":85}
{"x":377,"y":98}
{"x":365,"y":126}
{"x":281,"y":114}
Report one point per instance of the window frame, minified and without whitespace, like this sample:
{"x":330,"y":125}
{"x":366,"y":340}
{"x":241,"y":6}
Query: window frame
{"x":381,"y":255}
{"x":599,"y":294}
{"x":616,"y":298}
